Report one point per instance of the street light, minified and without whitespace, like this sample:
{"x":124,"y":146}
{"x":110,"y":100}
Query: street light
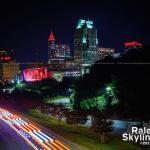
{"x":108,"y":89}
{"x":12,"y":81}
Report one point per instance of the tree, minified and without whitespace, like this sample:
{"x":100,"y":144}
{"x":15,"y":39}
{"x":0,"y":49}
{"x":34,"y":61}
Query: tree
{"x":101,"y":124}
{"x":59,"y":116}
{"x":105,"y":98}
{"x":59,"y":112}
{"x":72,"y":98}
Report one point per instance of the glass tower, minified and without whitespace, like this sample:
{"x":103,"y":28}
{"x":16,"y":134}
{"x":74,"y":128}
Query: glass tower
{"x":85,"y":43}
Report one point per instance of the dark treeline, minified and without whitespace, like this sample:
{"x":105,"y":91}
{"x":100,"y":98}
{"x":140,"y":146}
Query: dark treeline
{"x":28,"y":95}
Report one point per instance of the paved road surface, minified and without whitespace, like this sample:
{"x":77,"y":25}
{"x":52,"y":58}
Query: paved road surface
{"x":10,"y":140}
{"x":22,"y":135}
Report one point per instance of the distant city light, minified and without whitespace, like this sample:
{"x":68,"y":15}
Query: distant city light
{"x":84,"y":40}
{"x":12,"y":81}
{"x":133,"y":44}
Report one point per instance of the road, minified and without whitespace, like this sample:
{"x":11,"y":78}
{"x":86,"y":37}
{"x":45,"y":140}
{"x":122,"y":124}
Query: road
{"x":22,"y":135}
{"x":9,"y":139}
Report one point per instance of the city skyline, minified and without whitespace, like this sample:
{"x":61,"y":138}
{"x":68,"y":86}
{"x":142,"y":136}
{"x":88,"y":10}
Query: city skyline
{"x":74,"y":75}
{"x":27,"y":31}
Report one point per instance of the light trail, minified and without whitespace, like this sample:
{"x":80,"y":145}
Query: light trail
{"x":62,"y":145}
{"x":36,"y":133}
{"x":37,"y":139}
{"x":50,"y":145}
{"x":46,"y":136}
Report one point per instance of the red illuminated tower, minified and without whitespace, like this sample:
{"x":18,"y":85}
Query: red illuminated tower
{"x":57,"y":53}
{"x":51,"y":48}
{"x":51,"y":37}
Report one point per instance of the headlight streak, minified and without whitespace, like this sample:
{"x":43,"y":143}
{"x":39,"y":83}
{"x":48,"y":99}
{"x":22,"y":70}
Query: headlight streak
{"x":30,"y":133}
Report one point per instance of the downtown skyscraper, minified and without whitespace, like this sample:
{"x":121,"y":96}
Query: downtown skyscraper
{"x":57,"y":53}
{"x":51,"y":48}
{"x":85,"y":43}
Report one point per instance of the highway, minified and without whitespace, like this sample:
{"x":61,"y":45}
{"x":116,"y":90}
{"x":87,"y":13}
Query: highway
{"x":22,"y":135}
{"x":10,"y":140}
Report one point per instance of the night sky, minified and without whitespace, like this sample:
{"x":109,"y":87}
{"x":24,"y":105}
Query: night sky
{"x":25,"y":25}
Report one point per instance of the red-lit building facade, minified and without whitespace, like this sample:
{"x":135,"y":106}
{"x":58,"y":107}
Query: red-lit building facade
{"x":38,"y":74}
{"x":35,"y":74}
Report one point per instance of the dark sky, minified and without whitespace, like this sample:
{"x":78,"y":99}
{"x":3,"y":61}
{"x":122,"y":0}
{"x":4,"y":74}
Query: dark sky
{"x":25,"y":25}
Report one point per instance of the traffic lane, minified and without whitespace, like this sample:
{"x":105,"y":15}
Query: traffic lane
{"x":48,"y":131}
{"x":38,"y":136}
{"x":11,"y":140}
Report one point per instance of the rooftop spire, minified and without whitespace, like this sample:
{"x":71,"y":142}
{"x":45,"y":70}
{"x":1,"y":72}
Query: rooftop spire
{"x":51,"y":37}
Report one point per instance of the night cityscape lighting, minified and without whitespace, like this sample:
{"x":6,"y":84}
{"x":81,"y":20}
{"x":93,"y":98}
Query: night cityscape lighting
{"x":74,"y":75}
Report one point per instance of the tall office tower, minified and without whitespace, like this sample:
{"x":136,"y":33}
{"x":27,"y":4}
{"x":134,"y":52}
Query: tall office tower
{"x":85,"y":43}
{"x":51,"y":49}
{"x":63,"y":52}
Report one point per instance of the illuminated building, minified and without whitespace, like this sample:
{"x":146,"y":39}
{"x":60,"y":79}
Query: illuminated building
{"x":63,"y":52}
{"x":70,"y":64}
{"x":38,"y":74}
{"x":85,"y":43}
{"x":35,"y":74}
{"x":61,"y":73}
{"x":6,"y":55}
{"x":8,"y":67}
{"x":132,"y":45}
{"x":104,"y":52}
{"x":9,"y":71}
{"x":51,"y":49}
{"x":34,"y":65}
{"x":57,"y":53}
{"x":116,"y":55}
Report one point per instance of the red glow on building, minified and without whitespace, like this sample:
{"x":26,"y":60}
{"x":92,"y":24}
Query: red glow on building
{"x":133,"y":44}
{"x":36,"y":74}
{"x":51,"y":37}
{"x":5,"y":58}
